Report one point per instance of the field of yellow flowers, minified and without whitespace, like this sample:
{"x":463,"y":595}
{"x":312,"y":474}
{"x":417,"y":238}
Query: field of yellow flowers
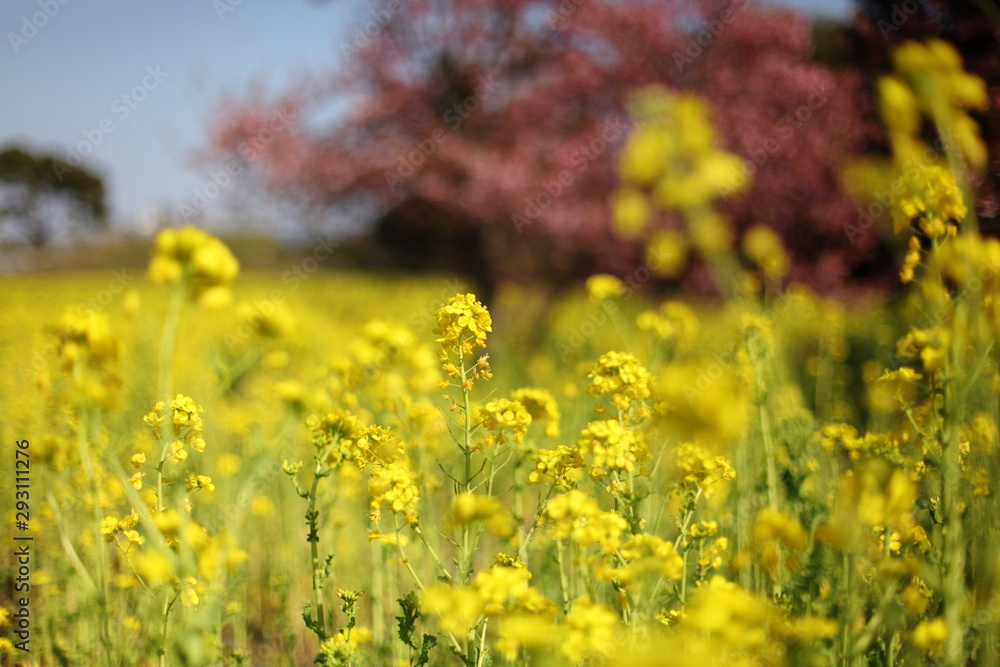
{"x":209,"y":468}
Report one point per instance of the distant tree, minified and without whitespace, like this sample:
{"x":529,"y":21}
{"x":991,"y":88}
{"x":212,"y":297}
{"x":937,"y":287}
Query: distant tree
{"x":41,"y":195}
{"x":488,"y":129}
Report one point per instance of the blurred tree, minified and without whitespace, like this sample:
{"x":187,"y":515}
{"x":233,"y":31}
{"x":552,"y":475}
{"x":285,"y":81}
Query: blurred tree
{"x":40,"y":195}
{"x":492,"y":126}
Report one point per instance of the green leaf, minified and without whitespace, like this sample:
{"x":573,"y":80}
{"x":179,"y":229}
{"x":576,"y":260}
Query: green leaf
{"x":430,"y":641}
{"x":311,"y":623}
{"x":408,"y":621}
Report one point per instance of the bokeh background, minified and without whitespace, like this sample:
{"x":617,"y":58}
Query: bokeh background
{"x":424,"y":135}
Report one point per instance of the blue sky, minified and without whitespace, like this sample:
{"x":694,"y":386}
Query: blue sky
{"x":66,"y":76}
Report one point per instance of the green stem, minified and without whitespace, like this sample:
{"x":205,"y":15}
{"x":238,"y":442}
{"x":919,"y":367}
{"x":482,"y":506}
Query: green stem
{"x":380,"y":594}
{"x":563,"y":579}
{"x":685,"y":524}
{"x":159,"y":475}
{"x":772,"y":468}
{"x":522,"y":551}
{"x":482,"y":645}
{"x":686,"y":521}
{"x":846,"y":606}
{"x":83,"y":441}
{"x":874,"y":623}
{"x":420,"y":584}
{"x":169,"y":339}
{"x":468,"y":554}
{"x":893,"y":649}
{"x":437,"y":559}
{"x":954,"y":546}
{"x":720,"y":264}
{"x":168,"y":605}
{"x":74,"y":557}
{"x":311,"y":515}
{"x":406,"y":559}
{"x":132,"y":567}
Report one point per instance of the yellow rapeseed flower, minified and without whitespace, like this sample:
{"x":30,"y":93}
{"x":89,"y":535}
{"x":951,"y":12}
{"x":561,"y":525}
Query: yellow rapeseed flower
{"x":463,"y":323}
{"x":394,"y":486}
{"x":555,"y":466}
{"x":631,"y":212}
{"x":620,"y":375}
{"x":200,"y":260}
{"x":763,"y":247}
{"x":930,"y":635}
{"x":604,"y":286}
{"x":505,"y":420}
{"x":588,"y":629}
{"x":612,"y":445}
{"x":541,"y":405}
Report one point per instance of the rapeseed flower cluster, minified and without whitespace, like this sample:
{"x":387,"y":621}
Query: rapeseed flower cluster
{"x":603,"y":286}
{"x":541,"y":406}
{"x":83,"y":343}
{"x":394,"y":487}
{"x":198,"y":260}
{"x":556,"y":466}
{"x":672,"y":165}
{"x":645,"y":553}
{"x":180,"y":424}
{"x":268,"y":318}
{"x":695,"y":465}
{"x":84,"y":337}
{"x":929,"y":81}
{"x":620,"y":376}
{"x":673,"y":322}
{"x":763,"y":246}
{"x":673,"y":152}
{"x":932,"y":200}
{"x":505,"y":420}
{"x":463,"y":324}
{"x":469,"y":507}
{"x":612,"y":446}
{"x":576,"y":516}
